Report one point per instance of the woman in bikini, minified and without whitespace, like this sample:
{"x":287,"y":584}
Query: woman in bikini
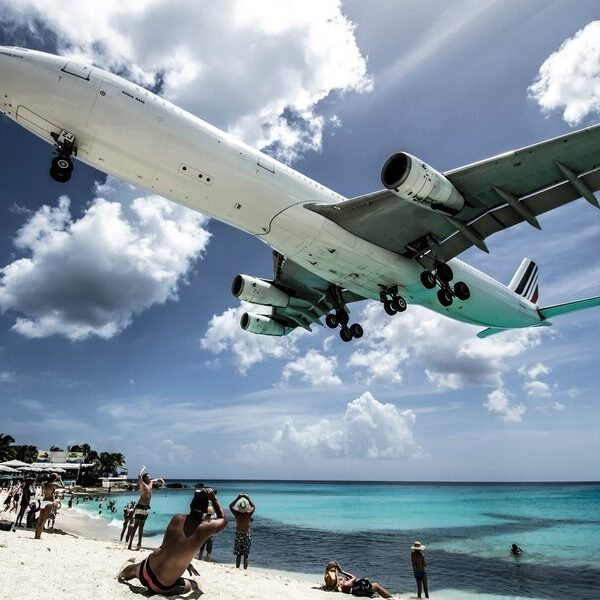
{"x":48,"y":502}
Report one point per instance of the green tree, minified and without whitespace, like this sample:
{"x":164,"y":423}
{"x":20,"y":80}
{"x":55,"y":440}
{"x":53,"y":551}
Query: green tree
{"x":26,"y":453}
{"x":109,"y":461}
{"x":7,"y":451}
{"x":56,"y":449}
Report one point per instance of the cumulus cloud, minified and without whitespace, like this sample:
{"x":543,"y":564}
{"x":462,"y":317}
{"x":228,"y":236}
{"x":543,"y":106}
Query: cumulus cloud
{"x":91,"y":275}
{"x":224,"y":334}
{"x":446,"y":350}
{"x":498,"y":403}
{"x":537,"y":388}
{"x":368,"y":429}
{"x":534,"y":371}
{"x":313,"y":368}
{"x":569,"y":79}
{"x":261,"y":73}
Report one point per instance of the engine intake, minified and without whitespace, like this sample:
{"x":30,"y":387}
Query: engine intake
{"x":415,"y":181}
{"x":258,"y":291}
{"x":261,"y":324}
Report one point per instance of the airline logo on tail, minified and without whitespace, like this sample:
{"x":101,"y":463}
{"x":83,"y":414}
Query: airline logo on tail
{"x":525,"y":281}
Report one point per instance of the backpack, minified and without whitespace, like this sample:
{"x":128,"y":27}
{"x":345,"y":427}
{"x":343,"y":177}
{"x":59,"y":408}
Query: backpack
{"x":362,"y":587}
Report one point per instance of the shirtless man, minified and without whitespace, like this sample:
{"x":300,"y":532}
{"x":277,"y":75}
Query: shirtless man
{"x":48,"y":502}
{"x":161,"y":573}
{"x":142,"y":508}
{"x":242,"y":509}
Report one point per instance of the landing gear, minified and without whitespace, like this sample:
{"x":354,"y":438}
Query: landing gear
{"x":340,"y":318}
{"x":392,"y":302}
{"x":61,"y":166}
{"x":442,"y":275}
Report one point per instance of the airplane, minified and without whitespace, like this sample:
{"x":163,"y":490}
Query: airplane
{"x":398,"y":245}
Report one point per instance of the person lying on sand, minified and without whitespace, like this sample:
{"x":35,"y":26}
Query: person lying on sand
{"x":349,"y":584}
{"x":161,"y":573}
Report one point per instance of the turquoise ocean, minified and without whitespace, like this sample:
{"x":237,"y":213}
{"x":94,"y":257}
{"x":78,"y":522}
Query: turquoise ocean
{"x":369,"y":527}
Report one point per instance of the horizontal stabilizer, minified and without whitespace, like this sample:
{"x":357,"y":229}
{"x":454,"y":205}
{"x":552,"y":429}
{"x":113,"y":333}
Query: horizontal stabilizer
{"x":569,"y":307}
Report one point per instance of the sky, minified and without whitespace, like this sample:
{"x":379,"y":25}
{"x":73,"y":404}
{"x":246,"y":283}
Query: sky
{"x":117,"y":324}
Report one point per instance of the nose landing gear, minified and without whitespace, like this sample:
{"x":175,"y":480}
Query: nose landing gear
{"x":61,"y":166}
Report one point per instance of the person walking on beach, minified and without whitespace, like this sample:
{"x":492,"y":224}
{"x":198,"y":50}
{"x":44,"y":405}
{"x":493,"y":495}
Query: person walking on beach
{"x":419,"y":565}
{"x":48,"y":502}
{"x":161,"y":573}
{"x":142,"y":508}
{"x":25,"y":500}
{"x":242,"y":509}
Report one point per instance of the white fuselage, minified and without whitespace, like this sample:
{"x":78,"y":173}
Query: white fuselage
{"x":137,"y":136}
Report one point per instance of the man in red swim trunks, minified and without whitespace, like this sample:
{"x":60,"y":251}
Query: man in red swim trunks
{"x":161,"y":573}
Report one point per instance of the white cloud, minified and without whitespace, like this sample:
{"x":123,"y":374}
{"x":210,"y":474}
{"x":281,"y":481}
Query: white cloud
{"x":369,"y":429}
{"x":91,"y":275}
{"x":537,"y":388}
{"x":7,"y":377}
{"x":446,"y":350}
{"x":224,"y":334}
{"x":534,"y":371}
{"x":259,"y":72}
{"x":569,"y":79}
{"x":498,"y":403}
{"x":313,"y":368}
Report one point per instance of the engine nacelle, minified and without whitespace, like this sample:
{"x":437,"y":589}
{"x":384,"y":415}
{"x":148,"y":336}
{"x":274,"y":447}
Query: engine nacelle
{"x":258,"y":291}
{"x":413,"y":180}
{"x":261,"y":324}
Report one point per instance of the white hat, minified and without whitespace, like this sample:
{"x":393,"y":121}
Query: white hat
{"x":417,"y":546}
{"x":242,"y":505}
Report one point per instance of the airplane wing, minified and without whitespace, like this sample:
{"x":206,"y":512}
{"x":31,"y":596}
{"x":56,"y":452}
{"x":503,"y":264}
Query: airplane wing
{"x":499,"y":192}
{"x":310,"y":295}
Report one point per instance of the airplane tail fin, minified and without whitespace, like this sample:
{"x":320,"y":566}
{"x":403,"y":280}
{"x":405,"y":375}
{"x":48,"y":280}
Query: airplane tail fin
{"x":569,"y":307}
{"x":525,"y":281}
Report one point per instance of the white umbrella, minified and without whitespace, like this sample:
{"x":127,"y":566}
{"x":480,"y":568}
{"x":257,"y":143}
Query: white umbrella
{"x":14,"y":463}
{"x":59,"y":470}
{"x":5,"y":469}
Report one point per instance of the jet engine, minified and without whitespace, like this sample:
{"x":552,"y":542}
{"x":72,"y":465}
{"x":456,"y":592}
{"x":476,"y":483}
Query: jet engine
{"x":261,"y":324}
{"x":258,"y":291}
{"x":413,"y":180}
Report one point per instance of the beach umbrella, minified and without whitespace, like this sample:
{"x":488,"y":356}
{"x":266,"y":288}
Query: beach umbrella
{"x":5,"y":469}
{"x":14,"y":463}
{"x":58,"y":470}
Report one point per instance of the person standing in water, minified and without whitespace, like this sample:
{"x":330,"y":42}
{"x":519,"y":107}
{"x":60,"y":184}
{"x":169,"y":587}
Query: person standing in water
{"x":242,"y":509}
{"x":419,"y":565}
{"x":142,"y":508}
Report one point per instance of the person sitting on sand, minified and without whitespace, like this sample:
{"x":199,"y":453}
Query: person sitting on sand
{"x":515,"y":550}
{"x":142,"y":508}
{"x":161,"y":573}
{"x":242,"y":509}
{"x":48,"y":502}
{"x":349,"y":584}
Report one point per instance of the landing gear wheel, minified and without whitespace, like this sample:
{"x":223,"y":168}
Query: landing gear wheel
{"x":445,"y":297}
{"x":345,"y":334}
{"x":443,"y":271}
{"x":331,"y":321}
{"x":342,"y":316}
{"x":356,"y":330}
{"x":61,"y":168}
{"x":428,"y":279}
{"x":389,"y":308}
{"x":461,"y":290}
{"x":399,"y":304}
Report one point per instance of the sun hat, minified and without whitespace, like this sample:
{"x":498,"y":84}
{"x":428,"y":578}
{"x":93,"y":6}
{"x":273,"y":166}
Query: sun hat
{"x":331,"y":576}
{"x":417,"y":546}
{"x":242,"y":505}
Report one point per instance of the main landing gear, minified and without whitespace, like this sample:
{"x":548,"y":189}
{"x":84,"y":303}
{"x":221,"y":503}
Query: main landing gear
{"x":442,"y":275}
{"x":340,"y":318}
{"x":61,"y":166}
{"x":392,"y":302}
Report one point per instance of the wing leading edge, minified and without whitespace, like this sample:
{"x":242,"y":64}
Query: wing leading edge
{"x":500,"y":192}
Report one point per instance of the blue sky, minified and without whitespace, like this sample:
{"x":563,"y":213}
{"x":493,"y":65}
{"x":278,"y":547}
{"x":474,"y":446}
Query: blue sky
{"x":118,"y":327}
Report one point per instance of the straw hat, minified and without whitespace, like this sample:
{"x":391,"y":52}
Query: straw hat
{"x":331,"y":576}
{"x":417,"y":546}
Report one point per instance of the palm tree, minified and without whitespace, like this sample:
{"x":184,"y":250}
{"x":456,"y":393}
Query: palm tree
{"x":26,"y":453}
{"x":109,"y":461}
{"x":6,"y":450}
{"x":56,"y":449}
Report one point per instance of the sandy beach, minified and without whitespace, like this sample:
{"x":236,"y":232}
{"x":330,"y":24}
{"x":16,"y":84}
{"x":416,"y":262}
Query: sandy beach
{"x":79,"y":561}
